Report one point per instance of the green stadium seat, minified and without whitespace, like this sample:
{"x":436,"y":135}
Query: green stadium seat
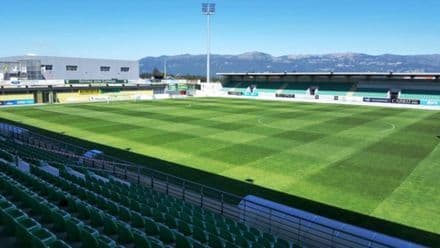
{"x":158,"y":216}
{"x":280,"y":243}
{"x":136,"y":206}
{"x":226,"y":235}
{"x":84,"y":210}
{"x":211,"y":228}
{"x":72,"y":204}
{"x":59,"y":244}
{"x":269,"y":237}
{"x":106,"y":242}
{"x":60,"y":218}
{"x":125,"y":234}
{"x":124,"y":213}
{"x":73,"y":227}
{"x":125,"y":200}
{"x":13,"y":215}
{"x":197,"y":221}
{"x":166,"y":235}
{"x":183,"y":242}
{"x":110,"y":225}
{"x":251,"y":237}
{"x":89,"y":237}
{"x":23,"y":229}
{"x":235,"y":230}
{"x":242,"y":242}
{"x":200,"y":235}
{"x":151,"y":228}
{"x":255,"y":232}
{"x":265,"y":243}
{"x":184,"y":228}
{"x":215,"y":241}
{"x":113,"y":208}
{"x":137,"y":220}
{"x":140,"y":239}
{"x":146,"y":210}
{"x":171,"y":222}
{"x":97,"y":217}
{"x":42,"y":237}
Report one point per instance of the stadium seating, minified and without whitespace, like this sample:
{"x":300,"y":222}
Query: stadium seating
{"x":334,"y":89}
{"x":28,"y":151}
{"x":324,"y":88}
{"x":420,"y":94}
{"x":95,"y":210}
{"x":229,"y":86}
{"x":296,"y":88}
{"x":371,"y":92}
{"x":268,"y":87}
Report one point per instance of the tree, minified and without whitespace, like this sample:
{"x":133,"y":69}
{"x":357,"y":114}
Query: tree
{"x":157,"y":74}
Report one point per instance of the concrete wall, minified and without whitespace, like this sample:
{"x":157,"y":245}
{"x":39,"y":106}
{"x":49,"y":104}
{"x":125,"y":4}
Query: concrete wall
{"x":87,"y":69}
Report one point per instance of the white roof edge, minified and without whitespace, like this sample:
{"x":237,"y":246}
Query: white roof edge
{"x":25,"y":57}
{"x":421,"y":74}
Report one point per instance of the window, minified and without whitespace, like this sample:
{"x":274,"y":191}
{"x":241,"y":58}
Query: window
{"x":105,"y":68}
{"x":47,"y":67}
{"x":125,"y":69}
{"x":71,"y":67}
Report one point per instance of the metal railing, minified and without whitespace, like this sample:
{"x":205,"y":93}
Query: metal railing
{"x":295,"y":228}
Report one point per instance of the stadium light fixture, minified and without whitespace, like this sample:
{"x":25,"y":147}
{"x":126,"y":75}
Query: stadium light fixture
{"x":208,"y":9}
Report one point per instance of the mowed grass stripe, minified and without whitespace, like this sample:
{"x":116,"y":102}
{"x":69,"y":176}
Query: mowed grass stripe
{"x":416,"y":196}
{"x":301,"y":149}
{"x":373,"y":173}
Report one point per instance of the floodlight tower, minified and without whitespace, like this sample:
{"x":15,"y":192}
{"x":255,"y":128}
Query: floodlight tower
{"x":208,"y":9}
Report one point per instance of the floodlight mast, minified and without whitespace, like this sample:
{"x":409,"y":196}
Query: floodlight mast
{"x":165,"y":69}
{"x":208,"y":9}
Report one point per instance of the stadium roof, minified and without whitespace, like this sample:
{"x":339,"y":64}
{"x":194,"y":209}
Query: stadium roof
{"x":363,"y":74}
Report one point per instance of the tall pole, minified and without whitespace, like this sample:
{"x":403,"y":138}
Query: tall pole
{"x":208,"y":47}
{"x":165,"y":69}
{"x":208,"y":9}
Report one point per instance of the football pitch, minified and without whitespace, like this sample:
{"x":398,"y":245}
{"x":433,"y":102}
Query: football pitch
{"x":376,"y":161}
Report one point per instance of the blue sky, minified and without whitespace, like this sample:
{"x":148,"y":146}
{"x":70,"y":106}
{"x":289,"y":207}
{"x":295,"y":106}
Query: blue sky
{"x":133,"y":29}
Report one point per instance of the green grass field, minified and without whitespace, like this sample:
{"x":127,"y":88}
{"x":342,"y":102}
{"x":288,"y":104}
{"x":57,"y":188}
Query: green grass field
{"x":379,"y":162}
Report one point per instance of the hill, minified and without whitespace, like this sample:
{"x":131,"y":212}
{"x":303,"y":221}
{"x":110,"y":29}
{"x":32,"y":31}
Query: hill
{"x":262,"y":62}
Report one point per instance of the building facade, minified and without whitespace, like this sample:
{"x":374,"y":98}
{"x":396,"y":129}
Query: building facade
{"x":67,"y":68}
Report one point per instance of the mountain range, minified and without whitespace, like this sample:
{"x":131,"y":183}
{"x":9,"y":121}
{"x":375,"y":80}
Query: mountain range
{"x":187,"y":64}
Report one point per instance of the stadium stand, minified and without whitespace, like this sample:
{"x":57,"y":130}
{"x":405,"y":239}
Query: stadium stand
{"x":268,"y":87}
{"x":420,"y":94}
{"x":296,"y":88}
{"x":371,"y":92}
{"x":77,"y":207}
{"x":323,"y":88}
{"x":334,"y":89}
{"x":231,"y":86}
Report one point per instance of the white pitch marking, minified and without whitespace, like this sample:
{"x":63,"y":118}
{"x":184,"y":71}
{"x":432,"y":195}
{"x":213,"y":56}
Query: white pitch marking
{"x":392,"y":127}
{"x":261,"y":122}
